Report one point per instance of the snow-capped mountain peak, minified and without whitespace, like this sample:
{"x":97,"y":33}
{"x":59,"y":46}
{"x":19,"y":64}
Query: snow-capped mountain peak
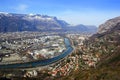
{"x":5,"y":13}
{"x":37,"y":17}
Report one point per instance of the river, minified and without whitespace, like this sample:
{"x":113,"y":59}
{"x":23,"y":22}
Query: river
{"x":41,"y":62}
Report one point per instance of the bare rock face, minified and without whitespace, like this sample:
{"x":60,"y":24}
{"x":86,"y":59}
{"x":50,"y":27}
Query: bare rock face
{"x":109,"y":25}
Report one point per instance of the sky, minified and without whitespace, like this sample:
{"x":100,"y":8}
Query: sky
{"x":87,"y":12}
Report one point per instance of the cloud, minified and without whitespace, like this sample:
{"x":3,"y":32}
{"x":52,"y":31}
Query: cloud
{"x":21,"y":7}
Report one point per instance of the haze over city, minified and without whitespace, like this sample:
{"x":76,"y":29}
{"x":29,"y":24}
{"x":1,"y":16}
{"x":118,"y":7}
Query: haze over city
{"x":88,"y":12}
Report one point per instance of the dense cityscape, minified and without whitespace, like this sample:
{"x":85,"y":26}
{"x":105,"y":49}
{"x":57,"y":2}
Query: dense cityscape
{"x":22,"y":47}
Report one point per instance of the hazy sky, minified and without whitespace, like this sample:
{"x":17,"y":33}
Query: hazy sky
{"x":88,"y":12}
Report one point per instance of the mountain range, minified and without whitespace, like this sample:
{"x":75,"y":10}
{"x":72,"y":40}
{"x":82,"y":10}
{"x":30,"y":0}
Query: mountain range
{"x":10,"y":22}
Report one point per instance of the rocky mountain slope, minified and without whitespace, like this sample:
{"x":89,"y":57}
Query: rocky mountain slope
{"x":109,"y":25}
{"x":107,"y":42}
{"x":10,"y":22}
